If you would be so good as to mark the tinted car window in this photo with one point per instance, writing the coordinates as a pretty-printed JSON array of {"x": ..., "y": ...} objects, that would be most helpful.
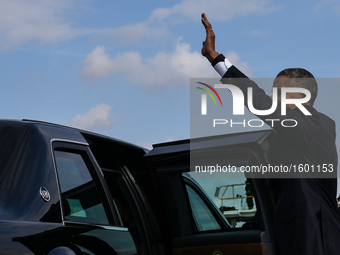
[
  {"x": 234, "y": 197},
  {"x": 203, "y": 217},
  {"x": 81, "y": 201}
]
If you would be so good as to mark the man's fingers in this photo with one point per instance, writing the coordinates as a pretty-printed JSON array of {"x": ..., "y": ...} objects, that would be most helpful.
[
  {"x": 204, "y": 20},
  {"x": 206, "y": 23}
]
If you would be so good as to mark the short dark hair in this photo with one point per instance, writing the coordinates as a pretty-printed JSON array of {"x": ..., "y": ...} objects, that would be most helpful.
[{"x": 299, "y": 75}]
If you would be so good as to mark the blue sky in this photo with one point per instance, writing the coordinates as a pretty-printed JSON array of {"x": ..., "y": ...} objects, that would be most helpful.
[{"x": 123, "y": 68}]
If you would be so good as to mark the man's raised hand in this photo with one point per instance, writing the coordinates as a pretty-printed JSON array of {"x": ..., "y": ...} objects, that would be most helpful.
[{"x": 208, "y": 49}]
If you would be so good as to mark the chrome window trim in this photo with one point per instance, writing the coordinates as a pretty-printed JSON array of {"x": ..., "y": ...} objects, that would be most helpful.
[
  {"x": 108, "y": 227},
  {"x": 67, "y": 141}
]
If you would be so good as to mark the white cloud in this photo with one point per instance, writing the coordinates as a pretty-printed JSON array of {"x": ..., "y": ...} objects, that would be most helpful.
[
  {"x": 44, "y": 21},
  {"x": 97, "y": 65},
  {"x": 215, "y": 9},
  {"x": 133, "y": 33},
  {"x": 329, "y": 4},
  {"x": 96, "y": 118},
  {"x": 243, "y": 66},
  {"x": 155, "y": 26},
  {"x": 22, "y": 21},
  {"x": 164, "y": 69}
]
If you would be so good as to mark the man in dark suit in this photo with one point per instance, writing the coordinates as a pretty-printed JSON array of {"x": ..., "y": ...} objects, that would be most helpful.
[{"x": 306, "y": 220}]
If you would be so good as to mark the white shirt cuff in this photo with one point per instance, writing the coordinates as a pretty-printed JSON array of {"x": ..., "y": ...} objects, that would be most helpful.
[
  {"x": 227, "y": 63},
  {"x": 222, "y": 66}
]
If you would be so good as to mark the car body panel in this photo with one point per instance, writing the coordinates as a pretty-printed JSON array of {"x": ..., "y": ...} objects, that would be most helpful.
[{"x": 149, "y": 183}]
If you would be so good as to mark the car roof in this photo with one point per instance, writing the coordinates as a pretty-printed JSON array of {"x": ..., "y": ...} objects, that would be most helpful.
[{"x": 257, "y": 137}]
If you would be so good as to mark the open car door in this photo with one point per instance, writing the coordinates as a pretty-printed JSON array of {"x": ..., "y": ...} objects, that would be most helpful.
[{"x": 209, "y": 212}]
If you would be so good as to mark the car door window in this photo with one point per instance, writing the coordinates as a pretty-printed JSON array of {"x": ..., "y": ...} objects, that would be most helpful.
[
  {"x": 81, "y": 200},
  {"x": 234, "y": 197},
  {"x": 203, "y": 217}
]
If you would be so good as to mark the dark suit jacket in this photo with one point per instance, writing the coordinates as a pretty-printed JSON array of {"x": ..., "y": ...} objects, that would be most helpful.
[{"x": 306, "y": 217}]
